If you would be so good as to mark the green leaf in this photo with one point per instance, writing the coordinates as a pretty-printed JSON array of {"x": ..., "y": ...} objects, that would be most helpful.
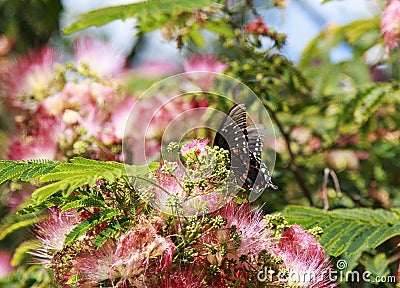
[
  {"x": 347, "y": 231},
  {"x": 74, "y": 280},
  {"x": 132, "y": 170},
  {"x": 13, "y": 222},
  {"x": 362, "y": 106},
  {"x": 81, "y": 203},
  {"x": 67, "y": 176},
  {"x": 108, "y": 233},
  {"x": 369, "y": 104},
  {"x": 195, "y": 35},
  {"x": 90, "y": 223},
  {"x": 67, "y": 184},
  {"x": 140, "y": 10},
  {"x": 21, "y": 252},
  {"x": 24, "y": 170},
  {"x": 220, "y": 28},
  {"x": 377, "y": 265}
]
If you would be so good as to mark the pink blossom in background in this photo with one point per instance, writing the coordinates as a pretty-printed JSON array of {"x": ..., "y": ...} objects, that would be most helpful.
[
  {"x": 5, "y": 263},
  {"x": 30, "y": 79},
  {"x": 52, "y": 233},
  {"x": 98, "y": 108},
  {"x": 348, "y": 140},
  {"x": 197, "y": 146},
  {"x": 145, "y": 129},
  {"x": 17, "y": 197},
  {"x": 102, "y": 59},
  {"x": 390, "y": 24},
  {"x": 36, "y": 139},
  {"x": 38, "y": 148},
  {"x": 120, "y": 115},
  {"x": 257, "y": 27},
  {"x": 204, "y": 63},
  {"x": 301, "y": 134},
  {"x": 315, "y": 143},
  {"x": 6, "y": 44},
  {"x": 304, "y": 259},
  {"x": 155, "y": 69}
]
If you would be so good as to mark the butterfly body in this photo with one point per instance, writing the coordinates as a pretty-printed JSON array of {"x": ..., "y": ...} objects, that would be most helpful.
[{"x": 244, "y": 144}]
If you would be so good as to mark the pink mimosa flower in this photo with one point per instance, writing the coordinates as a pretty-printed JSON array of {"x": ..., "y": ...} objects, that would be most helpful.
[
  {"x": 138, "y": 250},
  {"x": 52, "y": 233},
  {"x": 37, "y": 139},
  {"x": 38, "y": 148},
  {"x": 204, "y": 63},
  {"x": 155, "y": 69},
  {"x": 250, "y": 225},
  {"x": 120, "y": 115},
  {"x": 30, "y": 79},
  {"x": 197, "y": 146},
  {"x": 155, "y": 121},
  {"x": 184, "y": 278},
  {"x": 257, "y": 27},
  {"x": 390, "y": 25},
  {"x": 5, "y": 263},
  {"x": 94, "y": 266},
  {"x": 101, "y": 57},
  {"x": 304, "y": 258}
]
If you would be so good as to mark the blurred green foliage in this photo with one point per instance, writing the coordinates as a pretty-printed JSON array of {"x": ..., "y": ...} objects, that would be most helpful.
[{"x": 29, "y": 23}]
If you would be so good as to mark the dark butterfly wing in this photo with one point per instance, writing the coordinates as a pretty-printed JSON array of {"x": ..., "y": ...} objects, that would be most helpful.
[
  {"x": 233, "y": 124},
  {"x": 259, "y": 176},
  {"x": 232, "y": 136},
  {"x": 256, "y": 135},
  {"x": 244, "y": 144}
]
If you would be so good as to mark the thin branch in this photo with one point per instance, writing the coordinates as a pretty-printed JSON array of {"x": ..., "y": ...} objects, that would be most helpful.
[
  {"x": 293, "y": 166},
  {"x": 324, "y": 188},
  {"x": 336, "y": 183}
]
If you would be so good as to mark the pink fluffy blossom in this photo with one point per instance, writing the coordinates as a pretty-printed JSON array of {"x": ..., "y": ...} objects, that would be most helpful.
[
  {"x": 147, "y": 125},
  {"x": 38, "y": 148},
  {"x": 183, "y": 278},
  {"x": 30, "y": 79},
  {"x": 196, "y": 146},
  {"x": 390, "y": 25},
  {"x": 257, "y": 27},
  {"x": 5, "y": 263},
  {"x": 99, "y": 56},
  {"x": 155, "y": 69},
  {"x": 94, "y": 266},
  {"x": 250, "y": 225},
  {"x": 304, "y": 258},
  {"x": 52, "y": 233},
  {"x": 198, "y": 65},
  {"x": 98, "y": 108},
  {"x": 36, "y": 139},
  {"x": 120, "y": 115},
  {"x": 204, "y": 63},
  {"x": 140, "y": 250}
]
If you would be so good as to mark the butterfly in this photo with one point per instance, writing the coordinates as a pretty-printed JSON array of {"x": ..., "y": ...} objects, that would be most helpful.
[{"x": 244, "y": 144}]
